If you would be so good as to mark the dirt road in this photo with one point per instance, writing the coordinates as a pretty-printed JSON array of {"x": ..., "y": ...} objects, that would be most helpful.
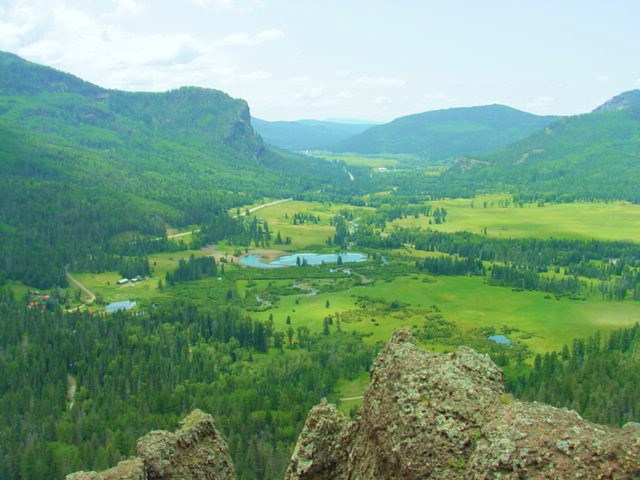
[{"x": 89, "y": 293}]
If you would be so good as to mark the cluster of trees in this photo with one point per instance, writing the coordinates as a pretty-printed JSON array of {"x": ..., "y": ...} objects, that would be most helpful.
[
  {"x": 300, "y": 218},
  {"x": 530, "y": 279},
  {"x": 551, "y": 265},
  {"x": 390, "y": 208},
  {"x": 599, "y": 378},
  {"x": 194, "y": 268},
  {"x": 280, "y": 240},
  {"x": 239, "y": 230},
  {"x": 77, "y": 390},
  {"x": 439, "y": 215},
  {"x": 449, "y": 265},
  {"x": 342, "y": 232}
]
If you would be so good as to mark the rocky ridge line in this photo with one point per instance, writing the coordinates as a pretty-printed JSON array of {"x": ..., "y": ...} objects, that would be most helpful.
[
  {"x": 447, "y": 417},
  {"x": 195, "y": 451}
]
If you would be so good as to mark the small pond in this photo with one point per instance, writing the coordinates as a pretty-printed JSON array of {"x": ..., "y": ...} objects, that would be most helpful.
[
  {"x": 299, "y": 258},
  {"x": 123, "y": 305},
  {"x": 501, "y": 339}
]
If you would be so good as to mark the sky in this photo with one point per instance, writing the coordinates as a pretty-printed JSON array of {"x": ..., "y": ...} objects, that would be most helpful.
[{"x": 371, "y": 60}]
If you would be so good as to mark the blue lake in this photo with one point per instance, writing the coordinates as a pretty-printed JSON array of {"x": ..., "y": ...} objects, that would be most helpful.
[
  {"x": 501, "y": 339},
  {"x": 311, "y": 258},
  {"x": 123, "y": 305}
]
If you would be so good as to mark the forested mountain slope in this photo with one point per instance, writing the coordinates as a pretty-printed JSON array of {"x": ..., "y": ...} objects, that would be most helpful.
[
  {"x": 306, "y": 134},
  {"x": 590, "y": 156},
  {"x": 444, "y": 135},
  {"x": 80, "y": 164},
  {"x": 598, "y": 378}
]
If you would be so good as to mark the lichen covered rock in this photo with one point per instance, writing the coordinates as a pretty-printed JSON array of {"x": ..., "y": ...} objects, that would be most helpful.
[
  {"x": 132, "y": 469},
  {"x": 195, "y": 451},
  {"x": 447, "y": 417}
]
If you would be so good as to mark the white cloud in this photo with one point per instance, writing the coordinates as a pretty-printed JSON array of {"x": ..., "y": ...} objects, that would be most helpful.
[
  {"x": 638, "y": 82},
  {"x": 300, "y": 79},
  {"x": 439, "y": 100},
  {"x": 344, "y": 94},
  {"x": 310, "y": 94},
  {"x": 259, "y": 75},
  {"x": 602, "y": 78},
  {"x": 246, "y": 39},
  {"x": 436, "y": 96},
  {"x": 379, "y": 81},
  {"x": 242, "y": 6},
  {"x": 98, "y": 50},
  {"x": 541, "y": 103},
  {"x": 128, "y": 9},
  {"x": 382, "y": 100}
]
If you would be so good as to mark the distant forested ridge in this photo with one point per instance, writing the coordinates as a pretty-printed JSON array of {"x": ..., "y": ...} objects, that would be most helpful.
[
  {"x": 444, "y": 135},
  {"x": 306, "y": 134},
  {"x": 83, "y": 168},
  {"x": 595, "y": 156}
]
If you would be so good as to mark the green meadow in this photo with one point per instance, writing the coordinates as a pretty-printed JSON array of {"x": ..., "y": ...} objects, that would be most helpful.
[
  {"x": 360, "y": 160},
  {"x": 578, "y": 220},
  {"x": 104, "y": 285},
  {"x": 542, "y": 322},
  {"x": 307, "y": 235},
  {"x": 361, "y": 304}
]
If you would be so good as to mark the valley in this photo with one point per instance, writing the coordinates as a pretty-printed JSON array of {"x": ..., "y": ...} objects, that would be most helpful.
[{"x": 469, "y": 302}]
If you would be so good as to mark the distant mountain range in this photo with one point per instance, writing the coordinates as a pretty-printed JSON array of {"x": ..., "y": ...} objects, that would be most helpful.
[
  {"x": 590, "y": 156},
  {"x": 306, "y": 134},
  {"x": 443, "y": 135}
]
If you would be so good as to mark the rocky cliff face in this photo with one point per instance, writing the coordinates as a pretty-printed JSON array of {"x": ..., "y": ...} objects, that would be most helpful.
[
  {"x": 625, "y": 101},
  {"x": 423, "y": 416},
  {"x": 447, "y": 417},
  {"x": 195, "y": 451}
]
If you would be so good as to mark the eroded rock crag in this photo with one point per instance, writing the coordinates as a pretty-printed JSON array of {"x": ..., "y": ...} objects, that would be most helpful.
[
  {"x": 447, "y": 417},
  {"x": 195, "y": 451}
]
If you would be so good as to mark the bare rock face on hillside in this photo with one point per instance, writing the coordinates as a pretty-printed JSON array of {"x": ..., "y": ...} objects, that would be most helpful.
[
  {"x": 447, "y": 417},
  {"x": 195, "y": 451},
  {"x": 625, "y": 101}
]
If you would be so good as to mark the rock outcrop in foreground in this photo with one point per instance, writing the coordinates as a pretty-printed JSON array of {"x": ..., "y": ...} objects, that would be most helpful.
[
  {"x": 424, "y": 416},
  {"x": 195, "y": 451},
  {"x": 447, "y": 417}
]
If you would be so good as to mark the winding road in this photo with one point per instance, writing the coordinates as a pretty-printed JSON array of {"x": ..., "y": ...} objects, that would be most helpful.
[
  {"x": 242, "y": 214},
  {"x": 265, "y": 205}
]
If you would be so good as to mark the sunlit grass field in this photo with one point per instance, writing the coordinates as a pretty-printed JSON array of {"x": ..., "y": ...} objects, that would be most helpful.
[
  {"x": 307, "y": 235},
  {"x": 544, "y": 324},
  {"x": 373, "y": 161},
  {"x": 104, "y": 285},
  {"x": 583, "y": 220}
]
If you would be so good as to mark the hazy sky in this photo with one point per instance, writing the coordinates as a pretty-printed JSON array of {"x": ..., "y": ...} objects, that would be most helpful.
[{"x": 355, "y": 59}]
